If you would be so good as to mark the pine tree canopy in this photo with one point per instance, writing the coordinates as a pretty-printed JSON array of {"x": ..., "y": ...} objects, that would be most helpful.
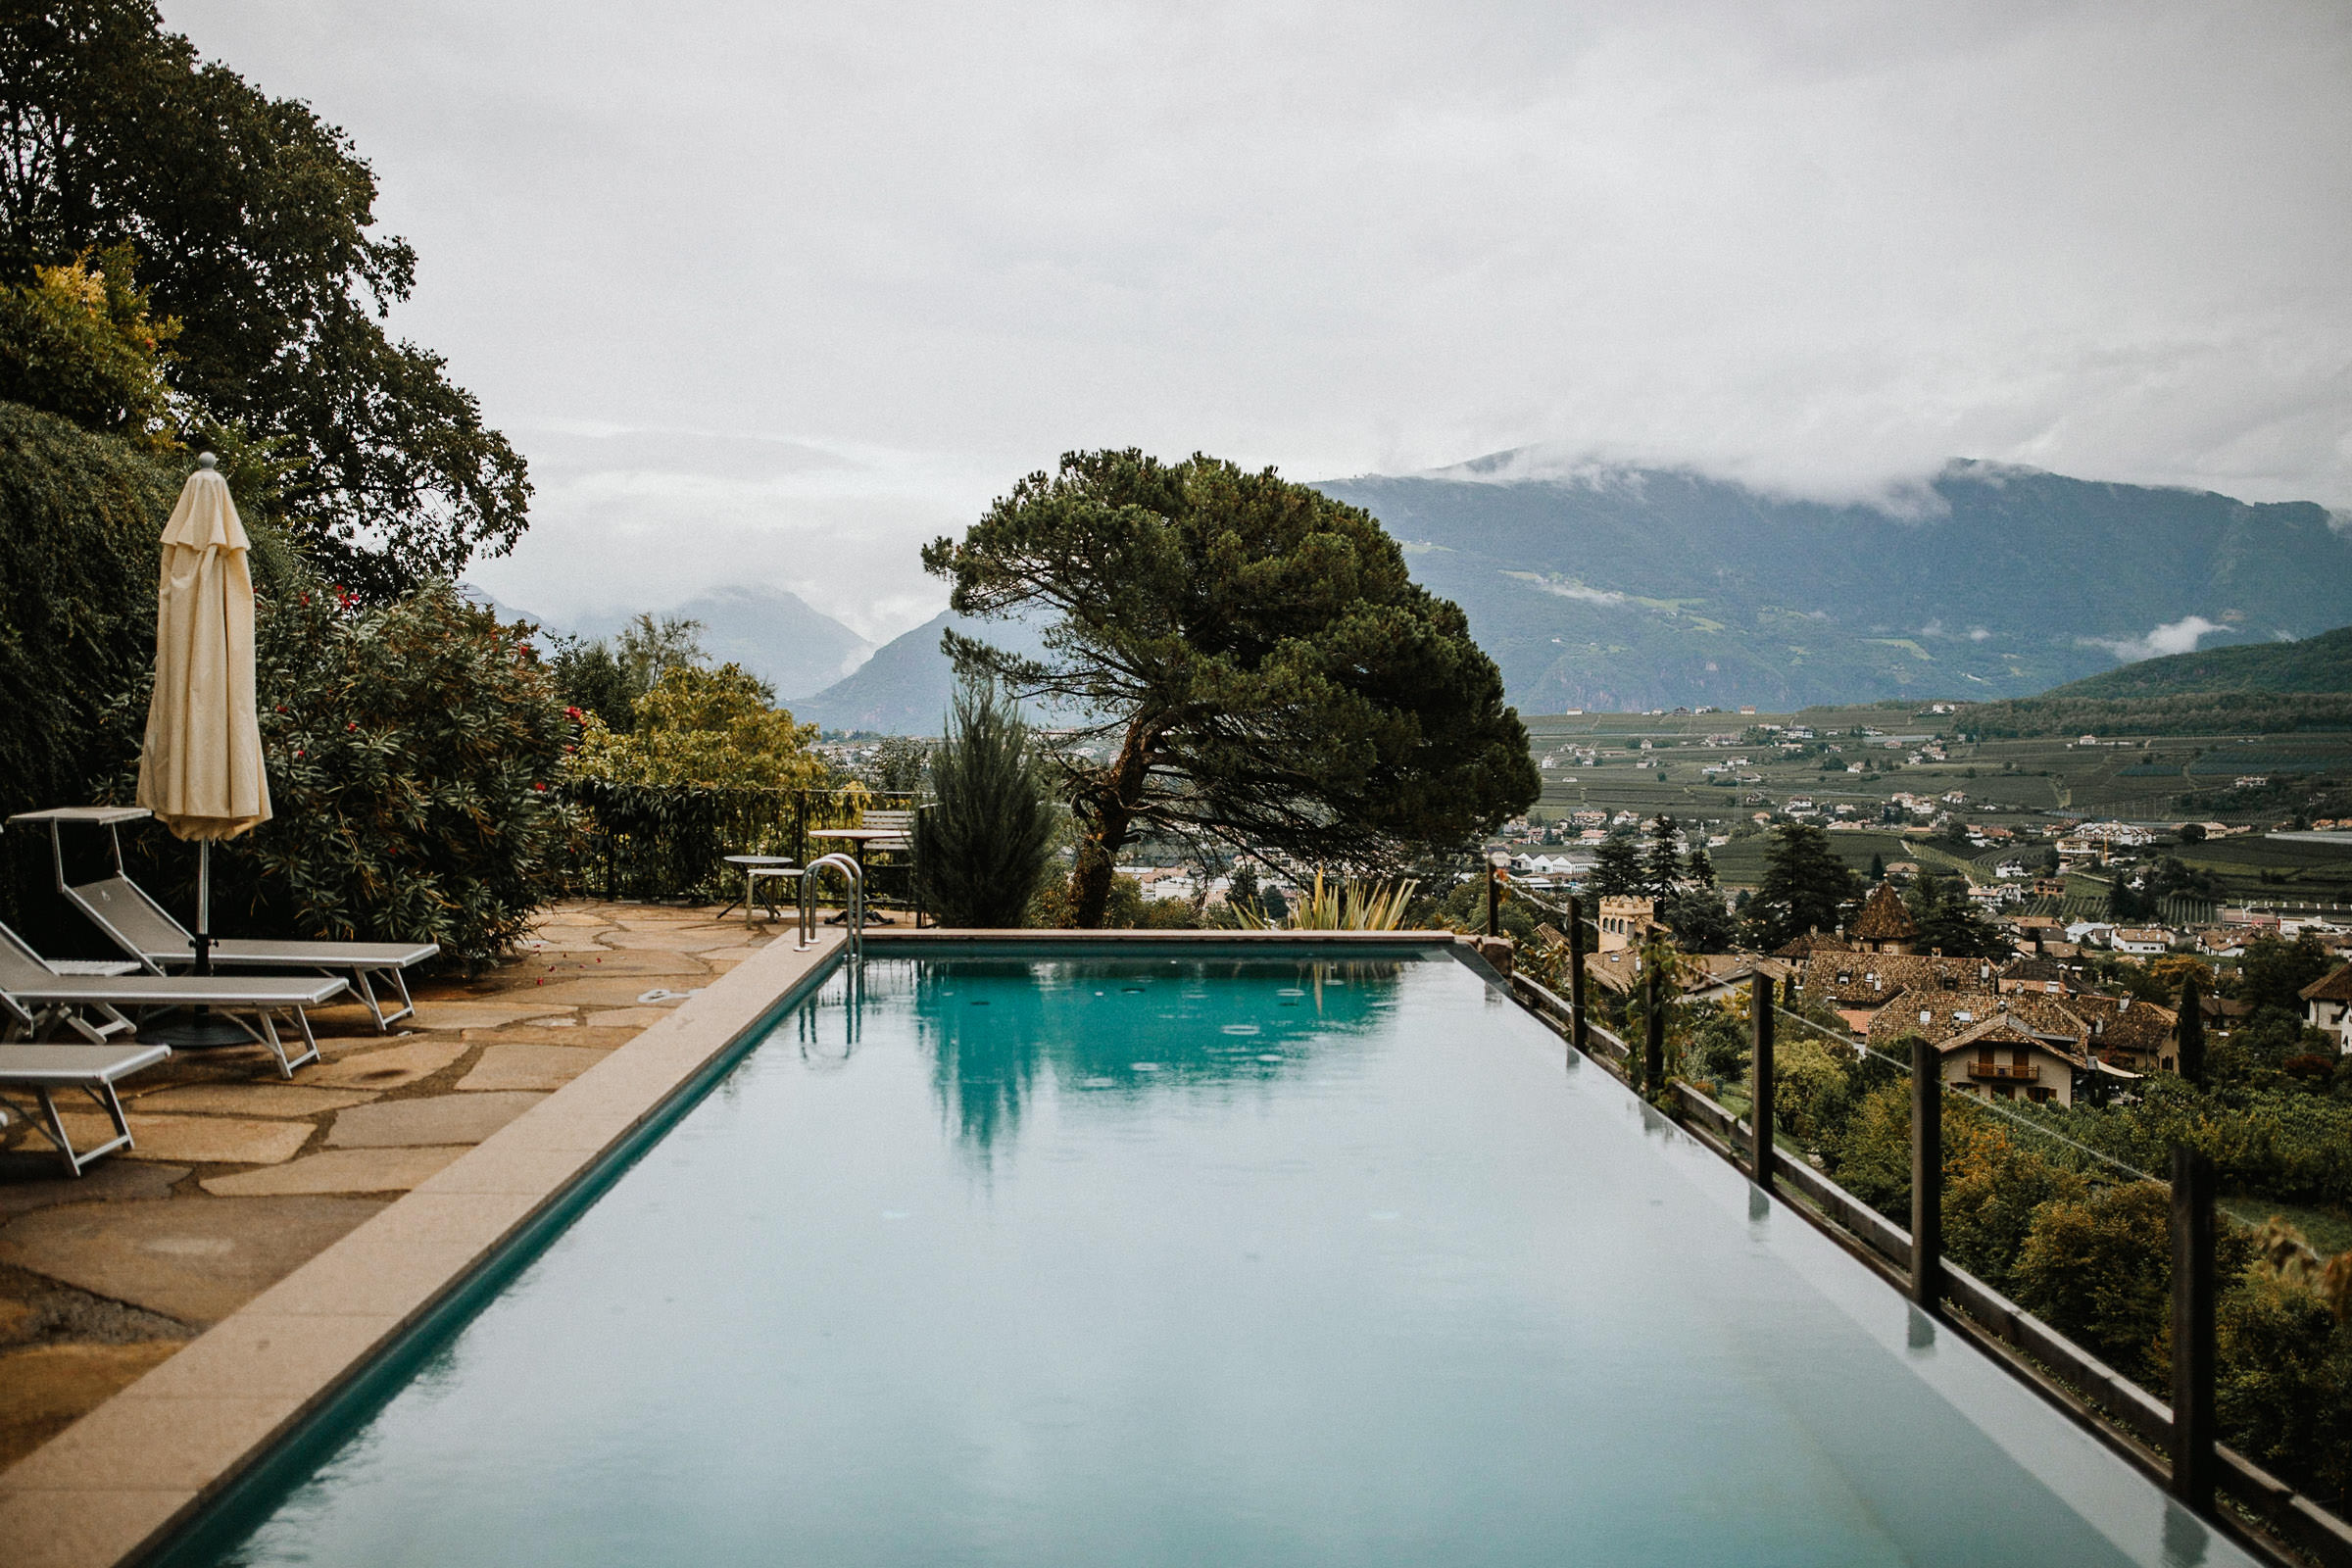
[
  {"x": 1805, "y": 886},
  {"x": 1253, "y": 656}
]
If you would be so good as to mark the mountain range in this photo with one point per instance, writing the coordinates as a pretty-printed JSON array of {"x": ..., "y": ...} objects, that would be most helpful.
[
  {"x": 1647, "y": 588},
  {"x": 776, "y": 635},
  {"x": 1639, "y": 588}
]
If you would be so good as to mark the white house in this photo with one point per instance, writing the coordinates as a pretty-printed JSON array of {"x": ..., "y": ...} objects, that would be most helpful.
[{"x": 2327, "y": 1005}]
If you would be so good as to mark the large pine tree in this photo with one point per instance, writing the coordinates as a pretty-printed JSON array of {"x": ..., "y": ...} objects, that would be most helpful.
[{"x": 1249, "y": 665}]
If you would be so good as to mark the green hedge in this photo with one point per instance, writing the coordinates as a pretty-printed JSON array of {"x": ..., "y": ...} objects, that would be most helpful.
[{"x": 80, "y": 518}]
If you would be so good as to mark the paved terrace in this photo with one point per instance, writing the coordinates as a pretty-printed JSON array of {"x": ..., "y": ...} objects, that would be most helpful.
[{"x": 240, "y": 1176}]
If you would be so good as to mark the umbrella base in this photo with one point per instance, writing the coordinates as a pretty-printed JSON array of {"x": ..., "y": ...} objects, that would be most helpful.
[{"x": 201, "y": 1030}]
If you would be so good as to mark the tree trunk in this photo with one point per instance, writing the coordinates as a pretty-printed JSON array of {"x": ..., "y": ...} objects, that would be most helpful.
[{"x": 1113, "y": 812}]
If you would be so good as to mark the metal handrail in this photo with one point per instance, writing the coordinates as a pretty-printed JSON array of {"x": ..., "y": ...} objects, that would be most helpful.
[{"x": 853, "y": 879}]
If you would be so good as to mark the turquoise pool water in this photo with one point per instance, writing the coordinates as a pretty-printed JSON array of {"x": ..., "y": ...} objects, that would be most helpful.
[{"x": 1052, "y": 1257}]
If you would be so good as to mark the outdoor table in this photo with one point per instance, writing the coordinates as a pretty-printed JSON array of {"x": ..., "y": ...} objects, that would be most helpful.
[
  {"x": 859, "y": 838},
  {"x": 754, "y": 868}
]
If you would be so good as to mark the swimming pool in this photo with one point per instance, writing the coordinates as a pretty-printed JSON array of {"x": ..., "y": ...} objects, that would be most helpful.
[{"x": 1051, "y": 1255}]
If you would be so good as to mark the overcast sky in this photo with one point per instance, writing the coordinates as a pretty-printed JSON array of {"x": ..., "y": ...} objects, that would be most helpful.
[{"x": 772, "y": 292}]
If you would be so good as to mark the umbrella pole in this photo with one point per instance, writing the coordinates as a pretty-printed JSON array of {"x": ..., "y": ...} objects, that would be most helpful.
[
  {"x": 203, "y": 907},
  {"x": 202, "y": 1030}
]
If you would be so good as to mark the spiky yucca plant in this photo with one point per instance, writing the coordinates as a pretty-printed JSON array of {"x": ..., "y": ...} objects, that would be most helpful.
[{"x": 1338, "y": 906}]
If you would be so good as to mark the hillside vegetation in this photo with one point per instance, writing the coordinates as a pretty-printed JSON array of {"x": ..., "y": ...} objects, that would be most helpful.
[
  {"x": 2243, "y": 713},
  {"x": 2313, "y": 665}
]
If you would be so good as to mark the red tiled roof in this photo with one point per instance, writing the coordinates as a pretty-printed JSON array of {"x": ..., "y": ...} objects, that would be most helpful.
[{"x": 1884, "y": 918}]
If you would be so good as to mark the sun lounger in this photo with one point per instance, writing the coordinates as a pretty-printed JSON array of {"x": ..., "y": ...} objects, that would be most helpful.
[
  {"x": 146, "y": 930},
  {"x": 45, "y": 1068},
  {"x": 36, "y": 1000}
]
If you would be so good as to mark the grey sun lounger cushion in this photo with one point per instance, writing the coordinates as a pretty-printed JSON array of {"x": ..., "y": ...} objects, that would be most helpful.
[
  {"x": 139, "y": 925},
  {"x": 35, "y": 997},
  {"x": 45, "y": 1068}
]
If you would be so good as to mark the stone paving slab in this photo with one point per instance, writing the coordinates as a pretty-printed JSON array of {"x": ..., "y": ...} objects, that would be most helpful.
[
  {"x": 441, "y": 1119},
  {"x": 631, "y": 1018},
  {"x": 467, "y": 1014},
  {"x": 248, "y": 1100},
  {"x": 49, "y": 1387},
  {"x": 197, "y": 1140},
  {"x": 519, "y": 1065},
  {"x": 340, "y": 1170},
  {"x": 659, "y": 961},
  {"x": 578, "y": 1036},
  {"x": 391, "y": 1067},
  {"x": 610, "y": 991},
  {"x": 32, "y": 1178},
  {"x": 698, "y": 939},
  {"x": 196, "y": 1261}
]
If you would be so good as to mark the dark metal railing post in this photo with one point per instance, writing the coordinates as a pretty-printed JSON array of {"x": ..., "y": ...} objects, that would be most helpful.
[
  {"x": 2192, "y": 1329},
  {"x": 1759, "y": 1000},
  {"x": 1494, "y": 897},
  {"x": 1576, "y": 974},
  {"x": 1926, "y": 1175},
  {"x": 800, "y": 829},
  {"x": 1653, "y": 1048}
]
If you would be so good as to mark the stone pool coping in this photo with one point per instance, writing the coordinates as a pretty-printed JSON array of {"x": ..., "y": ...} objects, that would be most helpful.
[{"x": 121, "y": 1480}]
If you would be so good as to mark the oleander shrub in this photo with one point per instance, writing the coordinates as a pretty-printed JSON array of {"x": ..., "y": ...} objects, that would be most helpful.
[{"x": 412, "y": 749}]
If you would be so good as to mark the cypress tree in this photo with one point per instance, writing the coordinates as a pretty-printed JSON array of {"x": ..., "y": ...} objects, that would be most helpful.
[
  {"x": 2192, "y": 1055},
  {"x": 985, "y": 842},
  {"x": 1665, "y": 860}
]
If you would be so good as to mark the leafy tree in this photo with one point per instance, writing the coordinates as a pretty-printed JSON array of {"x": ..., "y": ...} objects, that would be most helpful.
[
  {"x": 1665, "y": 860},
  {"x": 899, "y": 765},
  {"x": 1700, "y": 921},
  {"x": 79, "y": 341},
  {"x": 1264, "y": 670},
  {"x": 252, "y": 220},
  {"x": 2274, "y": 971},
  {"x": 708, "y": 727},
  {"x": 1463, "y": 908},
  {"x": 984, "y": 842},
  {"x": 2099, "y": 1270},
  {"x": 1877, "y": 867},
  {"x": 606, "y": 678},
  {"x": 1700, "y": 868},
  {"x": 2284, "y": 1393},
  {"x": 1240, "y": 888},
  {"x": 1805, "y": 886},
  {"x": 1952, "y": 925}
]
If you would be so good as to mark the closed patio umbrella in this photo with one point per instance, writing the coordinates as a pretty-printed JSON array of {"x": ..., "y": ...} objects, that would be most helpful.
[{"x": 201, "y": 769}]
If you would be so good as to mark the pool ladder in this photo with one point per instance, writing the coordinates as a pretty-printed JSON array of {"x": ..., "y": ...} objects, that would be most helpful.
[{"x": 853, "y": 879}]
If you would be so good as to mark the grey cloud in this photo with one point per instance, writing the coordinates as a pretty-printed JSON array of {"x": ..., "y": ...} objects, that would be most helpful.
[{"x": 1821, "y": 248}]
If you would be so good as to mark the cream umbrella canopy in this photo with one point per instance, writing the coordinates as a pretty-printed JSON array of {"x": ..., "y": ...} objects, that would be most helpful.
[{"x": 201, "y": 770}]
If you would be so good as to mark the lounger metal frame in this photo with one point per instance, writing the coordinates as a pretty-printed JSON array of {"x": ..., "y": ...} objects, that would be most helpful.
[
  {"x": 89, "y": 899},
  {"x": 96, "y": 1078},
  {"x": 38, "y": 1009}
]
